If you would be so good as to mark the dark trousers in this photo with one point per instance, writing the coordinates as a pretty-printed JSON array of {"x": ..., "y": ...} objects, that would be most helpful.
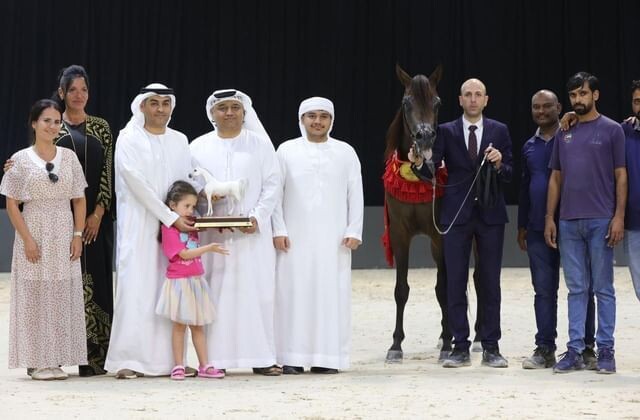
[
  {"x": 544, "y": 263},
  {"x": 457, "y": 250}
]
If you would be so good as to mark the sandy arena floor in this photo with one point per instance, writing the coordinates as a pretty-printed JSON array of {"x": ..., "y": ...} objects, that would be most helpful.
[{"x": 418, "y": 388}]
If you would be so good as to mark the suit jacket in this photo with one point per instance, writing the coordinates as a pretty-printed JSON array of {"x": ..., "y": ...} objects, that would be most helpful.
[{"x": 450, "y": 147}]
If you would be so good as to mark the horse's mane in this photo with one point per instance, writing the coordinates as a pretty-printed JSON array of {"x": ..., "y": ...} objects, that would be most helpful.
[
  {"x": 420, "y": 90},
  {"x": 394, "y": 134}
]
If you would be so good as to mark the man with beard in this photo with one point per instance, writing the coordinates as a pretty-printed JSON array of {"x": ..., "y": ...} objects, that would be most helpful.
[
  {"x": 589, "y": 180},
  {"x": 149, "y": 157},
  {"x": 631, "y": 129},
  {"x": 242, "y": 283},
  {"x": 316, "y": 226},
  {"x": 544, "y": 262},
  {"x": 464, "y": 144}
]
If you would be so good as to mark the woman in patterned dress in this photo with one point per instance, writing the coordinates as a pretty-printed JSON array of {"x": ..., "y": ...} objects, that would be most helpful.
[
  {"x": 90, "y": 138},
  {"x": 46, "y": 321}
]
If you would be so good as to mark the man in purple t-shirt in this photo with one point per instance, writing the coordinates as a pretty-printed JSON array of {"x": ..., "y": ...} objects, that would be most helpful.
[
  {"x": 589, "y": 179},
  {"x": 544, "y": 261}
]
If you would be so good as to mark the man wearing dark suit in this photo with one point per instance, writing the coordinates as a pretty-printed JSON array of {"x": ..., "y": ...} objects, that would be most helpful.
[{"x": 462, "y": 144}]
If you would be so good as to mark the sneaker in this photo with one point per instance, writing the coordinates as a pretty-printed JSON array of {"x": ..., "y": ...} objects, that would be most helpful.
[
  {"x": 493, "y": 358},
  {"x": 570, "y": 360},
  {"x": 58, "y": 373},
  {"x": 457, "y": 358},
  {"x": 606, "y": 361},
  {"x": 43, "y": 374},
  {"x": 589, "y": 358},
  {"x": 542, "y": 358}
]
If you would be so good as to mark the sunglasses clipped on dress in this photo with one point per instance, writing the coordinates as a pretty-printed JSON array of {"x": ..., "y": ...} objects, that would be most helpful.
[{"x": 52, "y": 177}]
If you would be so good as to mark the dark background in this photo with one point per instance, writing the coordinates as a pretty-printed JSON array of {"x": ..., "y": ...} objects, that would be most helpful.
[{"x": 281, "y": 51}]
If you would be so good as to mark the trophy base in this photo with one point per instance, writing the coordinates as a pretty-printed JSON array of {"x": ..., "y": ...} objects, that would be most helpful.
[{"x": 222, "y": 222}]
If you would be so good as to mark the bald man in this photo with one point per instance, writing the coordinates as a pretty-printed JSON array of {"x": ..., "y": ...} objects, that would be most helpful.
[
  {"x": 462, "y": 144},
  {"x": 544, "y": 261}
]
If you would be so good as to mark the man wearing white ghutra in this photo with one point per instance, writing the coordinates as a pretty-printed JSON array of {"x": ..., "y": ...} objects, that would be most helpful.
[
  {"x": 149, "y": 157},
  {"x": 242, "y": 283}
]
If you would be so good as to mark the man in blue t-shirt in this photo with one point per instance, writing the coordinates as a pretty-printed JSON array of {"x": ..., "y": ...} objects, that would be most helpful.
[
  {"x": 544, "y": 261},
  {"x": 589, "y": 180}
]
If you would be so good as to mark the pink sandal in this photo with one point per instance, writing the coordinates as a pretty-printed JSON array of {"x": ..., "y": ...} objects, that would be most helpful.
[
  {"x": 177, "y": 373},
  {"x": 209, "y": 371}
]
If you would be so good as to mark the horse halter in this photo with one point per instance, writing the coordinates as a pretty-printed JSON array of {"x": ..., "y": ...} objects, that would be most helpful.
[{"x": 423, "y": 128}]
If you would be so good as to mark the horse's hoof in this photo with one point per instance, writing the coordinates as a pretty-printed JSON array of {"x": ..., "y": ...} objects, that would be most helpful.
[
  {"x": 394, "y": 356},
  {"x": 443, "y": 355}
]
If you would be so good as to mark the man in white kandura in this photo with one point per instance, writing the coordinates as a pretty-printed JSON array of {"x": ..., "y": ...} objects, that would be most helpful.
[
  {"x": 243, "y": 282},
  {"x": 316, "y": 227},
  {"x": 149, "y": 157}
]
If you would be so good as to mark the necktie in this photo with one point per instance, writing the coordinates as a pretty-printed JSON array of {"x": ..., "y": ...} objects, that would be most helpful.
[{"x": 473, "y": 143}]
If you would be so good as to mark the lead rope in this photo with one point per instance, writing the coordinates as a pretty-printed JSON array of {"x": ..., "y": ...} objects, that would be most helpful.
[{"x": 433, "y": 200}]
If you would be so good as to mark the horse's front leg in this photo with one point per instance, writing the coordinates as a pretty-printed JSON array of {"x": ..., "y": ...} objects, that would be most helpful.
[
  {"x": 401, "y": 294},
  {"x": 232, "y": 205},
  {"x": 209, "y": 205},
  {"x": 441, "y": 295}
]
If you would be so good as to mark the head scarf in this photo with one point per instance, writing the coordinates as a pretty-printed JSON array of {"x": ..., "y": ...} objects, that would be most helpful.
[
  {"x": 251, "y": 121},
  {"x": 315, "y": 103},
  {"x": 137, "y": 117}
]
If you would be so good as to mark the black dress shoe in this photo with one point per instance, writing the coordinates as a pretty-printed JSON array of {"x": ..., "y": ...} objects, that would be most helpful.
[
  {"x": 292, "y": 370},
  {"x": 323, "y": 370}
]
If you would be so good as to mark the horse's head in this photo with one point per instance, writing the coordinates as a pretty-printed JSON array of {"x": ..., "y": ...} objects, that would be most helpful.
[
  {"x": 197, "y": 171},
  {"x": 420, "y": 105}
]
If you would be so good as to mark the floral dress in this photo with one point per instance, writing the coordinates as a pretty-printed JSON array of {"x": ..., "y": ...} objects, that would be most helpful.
[{"x": 46, "y": 320}]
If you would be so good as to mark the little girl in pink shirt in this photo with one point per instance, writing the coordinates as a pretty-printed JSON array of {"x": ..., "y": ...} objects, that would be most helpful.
[{"x": 185, "y": 297}]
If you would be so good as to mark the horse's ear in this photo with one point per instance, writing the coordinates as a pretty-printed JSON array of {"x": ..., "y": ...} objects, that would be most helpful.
[
  {"x": 404, "y": 78},
  {"x": 435, "y": 77}
]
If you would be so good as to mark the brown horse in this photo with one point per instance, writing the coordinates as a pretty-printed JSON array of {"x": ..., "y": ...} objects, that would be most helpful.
[{"x": 408, "y": 207}]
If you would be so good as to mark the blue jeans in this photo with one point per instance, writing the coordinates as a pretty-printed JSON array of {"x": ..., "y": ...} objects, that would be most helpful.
[
  {"x": 588, "y": 261},
  {"x": 544, "y": 263},
  {"x": 632, "y": 247}
]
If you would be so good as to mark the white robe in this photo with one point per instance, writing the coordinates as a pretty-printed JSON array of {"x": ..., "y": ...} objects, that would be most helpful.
[
  {"x": 242, "y": 283},
  {"x": 322, "y": 203},
  {"x": 145, "y": 167}
]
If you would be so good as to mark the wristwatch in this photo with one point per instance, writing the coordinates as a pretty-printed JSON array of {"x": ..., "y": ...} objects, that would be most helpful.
[{"x": 77, "y": 233}]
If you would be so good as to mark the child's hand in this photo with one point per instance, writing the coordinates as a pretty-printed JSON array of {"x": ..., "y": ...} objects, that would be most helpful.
[{"x": 217, "y": 248}]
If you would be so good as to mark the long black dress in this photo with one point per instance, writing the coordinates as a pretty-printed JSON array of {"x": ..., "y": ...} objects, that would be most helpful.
[{"x": 92, "y": 143}]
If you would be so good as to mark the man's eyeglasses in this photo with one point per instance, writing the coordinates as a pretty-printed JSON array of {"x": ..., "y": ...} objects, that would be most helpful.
[
  {"x": 51, "y": 122},
  {"x": 52, "y": 177}
]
